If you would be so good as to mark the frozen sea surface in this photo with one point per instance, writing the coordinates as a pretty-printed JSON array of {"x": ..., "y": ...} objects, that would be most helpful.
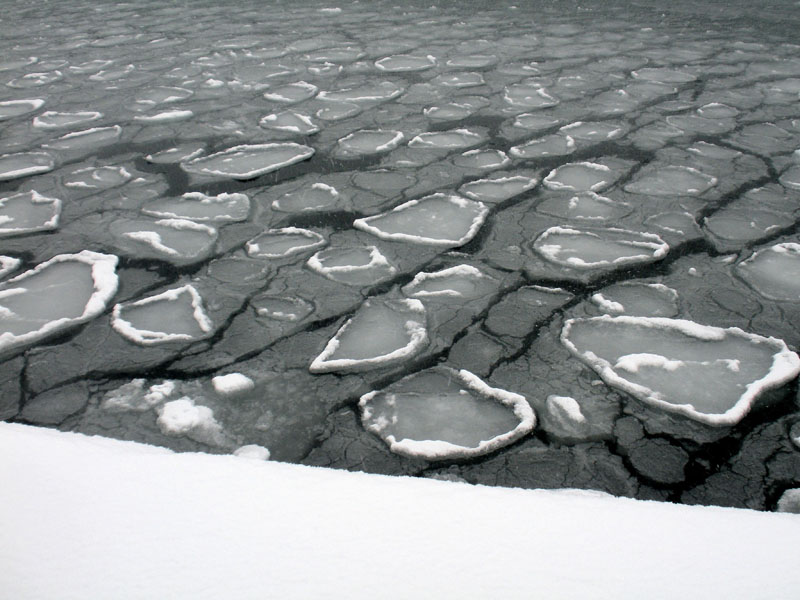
[{"x": 334, "y": 202}]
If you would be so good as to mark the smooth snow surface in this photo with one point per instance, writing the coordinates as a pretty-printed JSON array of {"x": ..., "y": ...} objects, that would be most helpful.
[{"x": 194, "y": 526}]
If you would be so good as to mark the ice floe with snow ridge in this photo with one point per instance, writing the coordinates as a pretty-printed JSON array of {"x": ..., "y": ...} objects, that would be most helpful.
[
  {"x": 498, "y": 189},
  {"x": 367, "y": 92},
  {"x": 317, "y": 196},
  {"x": 84, "y": 283},
  {"x": 284, "y": 242},
  {"x": 196, "y": 206},
  {"x": 790, "y": 178},
  {"x": 550, "y": 145},
  {"x": 528, "y": 96},
  {"x": 670, "y": 180},
  {"x": 97, "y": 178},
  {"x": 401, "y": 63},
  {"x": 10, "y": 109},
  {"x": 292, "y": 93},
  {"x": 709, "y": 374},
  {"x": 637, "y": 299},
  {"x": 58, "y": 120},
  {"x": 365, "y": 142},
  {"x": 281, "y": 308},
  {"x": 248, "y": 161},
  {"x": 581, "y": 177},
  {"x": 22, "y": 164},
  {"x": 382, "y": 332},
  {"x": 352, "y": 265},
  {"x": 290, "y": 122},
  {"x": 481, "y": 159},
  {"x": 463, "y": 79},
  {"x": 599, "y": 247},
  {"x": 179, "y": 241},
  {"x": 462, "y": 282},
  {"x": 441, "y": 414},
  {"x": 594, "y": 131},
  {"x": 87, "y": 138},
  {"x": 176, "y": 154},
  {"x": 773, "y": 272},
  {"x": 439, "y": 220},
  {"x": 28, "y": 212},
  {"x": 583, "y": 206},
  {"x": 174, "y": 315}
]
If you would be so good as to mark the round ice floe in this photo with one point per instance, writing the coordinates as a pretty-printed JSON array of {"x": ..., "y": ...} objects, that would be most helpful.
[
  {"x": 459, "y": 80},
  {"x": 454, "y": 138},
  {"x": 281, "y": 308},
  {"x": 165, "y": 116},
  {"x": 249, "y": 160},
  {"x": 599, "y": 248},
  {"x": 666, "y": 180},
  {"x": 551, "y": 145},
  {"x": 535, "y": 122},
  {"x": 83, "y": 283},
  {"x": 31, "y": 80},
  {"x": 673, "y": 222},
  {"x": 287, "y": 241},
  {"x": 196, "y": 206},
  {"x": 290, "y": 122},
  {"x": 317, "y": 196},
  {"x": 438, "y": 220},
  {"x": 731, "y": 228},
  {"x": 361, "y": 265},
  {"x": 174, "y": 315},
  {"x": 472, "y": 61},
  {"x": 336, "y": 111},
  {"x": 28, "y": 212},
  {"x": 717, "y": 110},
  {"x": 481, "y": 159},
  {"x": 463, "y": 282},
  {"x": 709, "y": 374},
  {"x": 498, "y": 189},
  {"x": 584, "y": 206},
  {"x": 232, "y": 384},
  {"x": 100, "y": 178},
  {"x": 441, "y": 414},
  {"x": 713, "y": 151},
  {"x": 22, "y": 164},
  {"x": 528, "y": 96},
  {"x": 174, "y": 240},
  {"x": 452, "y": 111},
  {"x": 134, "y": 396},
  {"x": 10, "y": 64},
  {"x": 790, "y": 178},
  {"x": 177, "y": 154},
  {"x": 368, "y": 92},
  {"x": 774, "y": 272},
  {"x": 58, "y": 120},
  {"x": 162, "y": 95},
  {"x": 663, "y": 75},
  {"x": 79, "y": 140},
  {"x": 637, "y": 299},
  {"x": 8, "y": 264},
  {"x": 405, "y": 62},
  {"x": 367, "y": 141},
  {"x": 292, "y": 93},
  {"x": 580, "y": 177},
  {"x": 16, "y": 108},
  {"x": 594, "y": 131},
  {"x": 382, "y": 332}
]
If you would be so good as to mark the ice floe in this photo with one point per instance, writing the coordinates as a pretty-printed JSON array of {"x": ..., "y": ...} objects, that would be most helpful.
[
  {"x": 367, "y": 141},
  {"x": 290, "y": 122},
  {"x": 28, "y": 212},
  {"x": 580, "y": 177},
  {"x": 774, "y": 272},
  {"x": 23, "y": 164},
  {"x": 282, "y": 308},
  {"x": 196, "y": 206},
  {"x": 284, "y": 242},
  {"x": 597, "y": 131},
  {"x": 176, "y": 240},
  {"x": 252, "y": 452},
  {"x": 174, "y": 315},
  {"x": 382, "y": 332},
  {"x": 584, "y": 206},
  {"x": 452, "y": 139},
  {"x": 367, "y": 92},
  {"x": 671, "y": 181},
  {"x": 97, "y": 178},
  {"x": 317, "y": 196},
  {"x": 8, "y": 264},
  {"x": 529, "y": 96},
  {"x": 10, "y": 109},
  {"x": 84, "y": 284},
  {"x": 405, "y": 62},
  {"x": 594, "y": 248},
  {"x": 463, "y": 282},
  {"x": 292, "y": 93},
  {"x": 706, "y": 373},
  {"x": 438, "y": 220},
  {"x": 551, "y": 145},
  {"x": 134, "y": 396},
  {"x": 184, "y": 417},
  {"x": 498, "y": 189},
  {"x": 59, "y": 120},
  {"x": 357, "y": 265},
  {"x": 481, "y": 159},
  {"x": 249, "y": 161},
  {"x": 88, "y": 138},
  {"x": 638, "y": 299},
  {"x": 441, "y": 414},
  {"x": 176, "y": 154}
]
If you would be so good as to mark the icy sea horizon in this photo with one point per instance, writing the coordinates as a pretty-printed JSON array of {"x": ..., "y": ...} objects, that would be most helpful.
[{"x": 551, "y": 245}]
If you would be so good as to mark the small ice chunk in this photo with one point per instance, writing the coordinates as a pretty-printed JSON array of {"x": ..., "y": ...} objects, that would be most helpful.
[
  {"x": 253, "y": 452},
  {"x": 565, "y": 408},
  {"x": 232, "y": 384},
  {"x": 185, "y": 417},
  {"x": 789, "y": 502}
]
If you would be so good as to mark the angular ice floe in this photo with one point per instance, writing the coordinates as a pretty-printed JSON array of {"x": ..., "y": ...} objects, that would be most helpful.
[
  {"x": 405, "y": 62},
  {"x": 638, "y": 299},
  {"x": 463, "y": 282},
  {"x": 367, "y": 141},
  {"x": 528, "y": 96},
  {"x": 232, "y": 384},
  {"x": 83, "y": 283},
  {"x": 580, "y": 177},
  {"x": 584, "y": 206},
  {"x": 28, "y": 212},
  {"x": 317, "y": 196},
  {"x": 667, "y": 180},
  {"x": 16, "y": 108},
  {"x": 441, "y": 414},
  {"x": 78, "y": 140},
  {"x": 551, "y": 145},
  {"x": 454, "y": 138},
  {"x": 176, "y": 154},
  {"x": 281, "y": 308},
  {"x": 249, "y": 160},
  {"x": 597, "y": 248},
  {"x": 481, "y": 159},
  {"x": 99, "y": 178},
  {"x": 22, "y": 164},
  {"x": 289, "y": 121},
  {"x": 292, "y": 93},
  {"x": 790, "y": 178},
  {"x": 382, "y": 332},
  {"x": 174, "y": 315},
  {"x": 287, "y": 241},
  {"x": 498, "y": 189},
  {"x": 59, "y": 120},
  {"x": 774, "y": 272},
  {"x": 196, "y": 206},
  {"x": 709, "y": 374},
  {"x": 368, "y": 92},
  {"x": 175, "y": 240},
  {"x": 360, "y": 265},
  {"x": 594, "y": 131},
  {"x": 439, "y": 220}
]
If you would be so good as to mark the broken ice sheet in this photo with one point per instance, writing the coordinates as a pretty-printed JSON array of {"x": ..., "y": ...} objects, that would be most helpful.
[{"x": 441, "y": 413}]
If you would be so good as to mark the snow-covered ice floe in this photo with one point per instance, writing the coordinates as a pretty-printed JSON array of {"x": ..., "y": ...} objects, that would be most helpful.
[
  {"x": 179, "y": 241},
  {"x": 382, "y": 332},
  {"x": 438, "y": 220},
  {"x": 709, "y": 374},
  {"x": 10, "y": 109},
  {"x": 174, "y": 315},
  {"x": 84, "y": 284},
  {"x": 463, "y": 282},
  {"x": 599, "y": 247},
  {"x": 283, "y": 242},
  {"x": 232, "y": 384},
  {"x": 441, "y": 413},
  {"x": 353, "y": 265},
  {"x": 28, "y": 212},
  {"x": 248, "y": 161}
]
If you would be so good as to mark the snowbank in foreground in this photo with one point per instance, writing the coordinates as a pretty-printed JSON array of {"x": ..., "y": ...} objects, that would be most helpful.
[{"x": 87, "y": 517}]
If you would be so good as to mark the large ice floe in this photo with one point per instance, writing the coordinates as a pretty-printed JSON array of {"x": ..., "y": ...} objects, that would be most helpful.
[
  {"x": 441, "y": 413},
  {"x": 593, "y": 248},
  {"x": 84, "y": 283},
  {"x": 710, "y": 374},
  {"x": 248, "y": 161},
  {"x": 382, "y": 332},
  {"x": 174, "y": 315},
  {"x": 28, "y": 212},
  {"x": 439, "y": 220}
]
